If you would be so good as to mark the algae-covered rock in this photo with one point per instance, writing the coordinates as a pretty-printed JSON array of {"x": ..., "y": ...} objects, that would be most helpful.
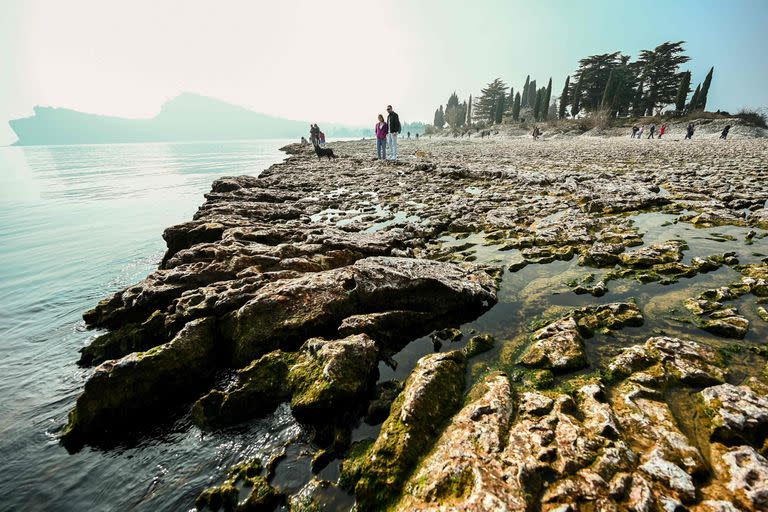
[
  {"x": 614, "y": 315},
  {"x": 737, "y": 414},
  {"x": 124, "y": 340},
  {"x": 670, "y": 251},
  {"x": 246, "y": 489},
  {"x": 379, "y": 407},
  {"x": 257, "y": 389},
  {"x": 322, "y": 379},
  {"x": 557, "y": 346},
  {"x": 329, "y": 376},
  {"x": 726, "y": 323},
  {"x": 462, "y": 469},
  {"x": 479, "y": 344},
  {"x": 431, "y": 394},
  {"x": 129, "y": 391}
]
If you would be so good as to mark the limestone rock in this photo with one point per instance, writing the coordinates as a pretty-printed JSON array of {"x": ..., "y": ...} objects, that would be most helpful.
[
  {"x": 133, "y": 390},
  {"x": 432, "y": 393},
  {"x": 737, "y": 414},
  {"x": 557, "y": 346}
]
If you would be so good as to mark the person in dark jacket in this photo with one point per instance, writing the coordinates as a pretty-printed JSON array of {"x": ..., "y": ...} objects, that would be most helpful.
[
  {"x": 724, "y": 133},
  {"x": 393, "y": 121},
  {"x": 689, "y": 131}
]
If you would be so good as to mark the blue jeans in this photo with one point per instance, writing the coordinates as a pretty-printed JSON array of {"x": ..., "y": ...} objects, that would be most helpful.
[{"x": 381, "y": 148}]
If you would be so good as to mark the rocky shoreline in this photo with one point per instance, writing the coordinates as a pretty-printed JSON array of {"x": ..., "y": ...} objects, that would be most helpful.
[{"x": 297, "y": 286}]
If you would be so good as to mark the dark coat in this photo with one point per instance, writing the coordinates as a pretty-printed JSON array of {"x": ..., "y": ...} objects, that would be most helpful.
[{"x": 393, "y": 120}]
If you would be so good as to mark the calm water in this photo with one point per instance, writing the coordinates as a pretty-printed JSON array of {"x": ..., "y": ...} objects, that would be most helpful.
[{"x": 76, "y": 223}]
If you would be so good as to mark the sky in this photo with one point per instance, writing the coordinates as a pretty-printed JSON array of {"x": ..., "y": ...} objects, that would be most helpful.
[{"x": 343, "y": 61}]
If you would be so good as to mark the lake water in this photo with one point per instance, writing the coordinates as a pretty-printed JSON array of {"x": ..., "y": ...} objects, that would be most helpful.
[{"x": 77, "y": 223}]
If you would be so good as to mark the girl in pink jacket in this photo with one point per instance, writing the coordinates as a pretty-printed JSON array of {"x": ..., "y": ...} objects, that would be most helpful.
[{"x": 381, "y": 129}]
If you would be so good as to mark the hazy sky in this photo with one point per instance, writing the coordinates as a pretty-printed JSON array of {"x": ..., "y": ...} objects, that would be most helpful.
[{"x": 343, "y": 61}]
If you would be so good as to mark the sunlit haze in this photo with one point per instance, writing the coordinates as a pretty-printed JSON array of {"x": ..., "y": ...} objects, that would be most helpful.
[{"x": 343, "y": 61}]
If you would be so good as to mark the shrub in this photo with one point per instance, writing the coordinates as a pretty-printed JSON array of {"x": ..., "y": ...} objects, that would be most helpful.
[{"x": 754, "y": 117}]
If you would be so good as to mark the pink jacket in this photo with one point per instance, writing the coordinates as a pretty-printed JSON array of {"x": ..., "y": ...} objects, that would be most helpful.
[{"x": 381, "y": 130}]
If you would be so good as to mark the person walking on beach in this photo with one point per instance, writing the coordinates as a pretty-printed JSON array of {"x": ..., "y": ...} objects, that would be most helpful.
[
  {"x": 662, "y": 130},
  {"x": 724, "y": 133},
  {"x": 321, "y": 136},
  {"x": 536, "y": 132},
  {"x": 640, "y": 133},
  {"x": 382, "y": 130},
  {"x": 635, "y": 129},
  {"x": 409, "y": 135},
  {"x": 393, "y": 122},
  {"x": 689, "y": 131},
  {"x": 652, "y": 132}
]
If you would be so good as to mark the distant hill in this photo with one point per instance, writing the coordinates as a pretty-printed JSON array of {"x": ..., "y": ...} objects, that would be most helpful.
[{"x": 188, "y": 117}]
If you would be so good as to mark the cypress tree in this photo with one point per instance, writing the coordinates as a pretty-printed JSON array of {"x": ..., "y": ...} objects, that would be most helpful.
[
  {"x": 564, "y": 97},
  {"x": 694, "y": 99},
  {"x": 469, "y": 111},
  {"x": 439, "y": 117},
  {"x": 532, "y": 93},
  {"x": 537, "y": 103},
  {"x": 525, "y": 91},
  {"x": 516, "y": 107},
  {"x": 544, "y": 108},
  {"x": 576, "y": 100},
  {"x": 682, "y": 91},
  {"x": 702, "y": 105},
  {"x": 499, "y": 109}
]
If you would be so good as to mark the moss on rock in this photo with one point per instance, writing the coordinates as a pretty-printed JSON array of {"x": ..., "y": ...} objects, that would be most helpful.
[
  {"x": 131, "y": 390},
  {"x": 432, "y": 393}
]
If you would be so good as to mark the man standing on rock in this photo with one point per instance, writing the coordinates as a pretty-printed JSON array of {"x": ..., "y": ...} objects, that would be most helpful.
[{"x": 393, "y": 121}]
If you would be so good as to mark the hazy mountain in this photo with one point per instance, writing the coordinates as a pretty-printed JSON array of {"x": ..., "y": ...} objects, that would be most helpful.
[{"x": 187, "y": 117}]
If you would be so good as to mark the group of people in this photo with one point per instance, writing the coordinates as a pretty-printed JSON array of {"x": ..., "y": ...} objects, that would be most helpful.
[
  {"x": 637, "y": 131},
  {"x": 386, "y": 135},
  {"x": 316, "y": 137}
]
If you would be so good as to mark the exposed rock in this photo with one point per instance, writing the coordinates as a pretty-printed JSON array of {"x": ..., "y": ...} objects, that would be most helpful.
[
  {"x": 247, "y": 478},
  {"x": 468, "y": 479},
  {"x": 323, "y": 378},
  {"x": 133, "y": 390},
  {"x": 312, "y": 250},
  {"x": 431, "y": 394},
  {"x": 557, "y": 346},
  {"x": 290, "y": 310},
  {"x": 737, "y": 414},
  {"x": 479, "y": 344},
  {"x": 664, "y": 360},
  {"x": 744, "y": 473},
  {"x": 644, "y": 257}
]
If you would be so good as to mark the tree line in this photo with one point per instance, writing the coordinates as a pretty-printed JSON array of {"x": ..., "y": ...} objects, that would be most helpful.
[{"x": 608, "y": 82}]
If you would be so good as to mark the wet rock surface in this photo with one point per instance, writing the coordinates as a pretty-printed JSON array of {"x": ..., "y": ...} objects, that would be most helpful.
[{"x": 310, "y": 283}]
